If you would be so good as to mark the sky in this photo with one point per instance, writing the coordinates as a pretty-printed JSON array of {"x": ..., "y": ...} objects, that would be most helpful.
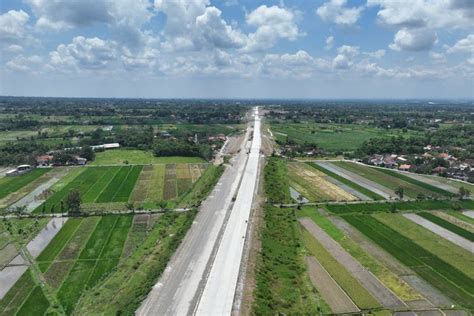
[{"x": 237, "y": 48}]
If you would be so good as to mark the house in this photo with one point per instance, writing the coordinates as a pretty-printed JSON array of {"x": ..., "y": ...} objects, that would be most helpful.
[
  {"x": 444, "y": 156},
  {"x": 44, "y": 160},
  {"x": 389, "y": 162},
  {"x": 376, "y": 160},
  {"x": 80, "y": 161},
  {"x": 404, "y": 167}
]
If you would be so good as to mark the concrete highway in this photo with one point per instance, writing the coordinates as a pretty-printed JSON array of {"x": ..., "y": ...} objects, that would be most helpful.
[
  {"x": 217, "y": 299},
  {"x": 180, "y": 288}
]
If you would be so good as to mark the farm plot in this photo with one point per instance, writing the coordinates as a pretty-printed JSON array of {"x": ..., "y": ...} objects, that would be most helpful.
[
  {"x": 165, "y": 182},
  {"x": 411, "y": 190},
  {"x": 440, "y": 231},
  {"x": 365, "y": 278},
  {"x": 353, "y": 185},
  {"x": 82, "y": 254},
  {"x": 97, "y": 185},
  {"x": 312, "y": 184},
  {"x": 10, "y": 185},
  {"x": 448, "y": 279},
  {"x": 448, "y": 225},
  {"x": 139, "y": 157}
]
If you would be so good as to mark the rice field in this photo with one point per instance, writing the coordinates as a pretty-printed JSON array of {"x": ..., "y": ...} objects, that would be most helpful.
[
  {"x": 84, "y": 252},
  {"x": 420, "y": 251},
  {"x": 165, "y": 182},
  {"x": 412, "y": 188},
  {"x": 10, "y": 185},
  {"x": 312, "y": 184},
  {"x": 97, "y": 185}
]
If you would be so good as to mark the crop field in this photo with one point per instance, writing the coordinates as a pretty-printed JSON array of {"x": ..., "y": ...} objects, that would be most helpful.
[
  {"x": 424, "y": 185},
  {"x": 387, "y": 277},
  {"x": 97, "y": 184},
  {"x": 312, "y": 184},
  {"x": 450, "y": 280},
  {"x": 9, "y": 185},
  {"x": 392, "y": 182},
  {"x": 165, "y": 182},
  {"x": 447, "y": 225},
  {"x": 331, "y": 137},
  {"x": 137, "y": 157},
  {"x": 401, "y": 206},
  {"x": 347, "y": 182},
  {"x": 79, "y": 256}
]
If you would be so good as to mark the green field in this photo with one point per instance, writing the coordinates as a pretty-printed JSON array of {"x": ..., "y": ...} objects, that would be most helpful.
[
  {"x": 138, "y": 157},
  {"x": 97, "y": 184},
  {"x": 399, "y": 206},
  {"x": 12, "y": 184},
  {"x": 331, "y": 137},
  {"x": 385, "y": 178},
  {"x": 449, "y": 280},
  {"x": 424, "y": 185},
  {"x": 449, "y": 226},
  {"x": 347, "y": 182}
]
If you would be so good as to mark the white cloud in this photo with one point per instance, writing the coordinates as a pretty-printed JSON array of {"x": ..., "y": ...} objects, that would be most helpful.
[
  {"x": 13, "y": 26},
  {"x": 125, "y": 17},
  {"x": 341, "y": 62},
  {"x": 424, "y": 13},
  {"x": 438, "y": 57},
  {"x": 377, "y": 54},
  {"x": 413, "y": 39},
  {"x": 272, "y": 23},
  {"x": 194, "y": 25},
  {"x": 348, "y": 50},
  {"x": 336, "y": 11},
  {"x": 329, "y": 42},
  {"x": 84, "y": 53},
  {"x": 465, "y": 45},
  {"x": 25, "y": 64}
]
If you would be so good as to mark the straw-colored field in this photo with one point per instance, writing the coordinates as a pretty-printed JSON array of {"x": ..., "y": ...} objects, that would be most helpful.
[{"x": 313, "y": 185}]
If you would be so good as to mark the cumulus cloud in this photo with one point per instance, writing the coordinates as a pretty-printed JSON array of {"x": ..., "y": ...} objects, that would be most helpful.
[
  {"x": 25, "y": 63},
  {"x": 194, "y": 24},
  {"x": 377, "y": 54},
  {"x": 329, "y": 42},
  {"x": 341, "y": 62},
  {"x": 125, "y": 17},
  {"x": 465, "y": 45},
  {"x": 417, "y": 22},
  {"x": 337, "y": 12},
  {"x": 84, "y": 53},
  {"x": 413, "y": 39},
  {"x": 13, "y": 26},
  {"x": 272, "y": 23}
]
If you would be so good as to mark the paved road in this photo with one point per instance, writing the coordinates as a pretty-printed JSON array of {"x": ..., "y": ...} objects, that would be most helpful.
[
  {"x": 178, "y": 290},
  {"x": 217, "y": 299}
]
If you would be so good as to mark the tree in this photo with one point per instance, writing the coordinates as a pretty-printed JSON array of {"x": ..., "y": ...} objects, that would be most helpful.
[
  {"x": 463, "y": 193},
  {"x": 87, "y": 152},
  {"x": 400, "y": 192},
  {"x": 73, "y": 201}
]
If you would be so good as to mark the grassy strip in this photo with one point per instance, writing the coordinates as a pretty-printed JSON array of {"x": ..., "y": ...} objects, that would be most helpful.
[
  {"x": 276, "y": 181},
  {"x": 202, "y": 187},
  {"x": 388, "y": 278},
  {"x": 282, "y": 285},
  {"x": 424, "y": 185},
  {"x": 449, "y": 280},
  {"x": 359, "y": 295},
  {"x": 462, "y": 217},
  {"x": 123, "y": 290},
  {"x": 449, "y": 226},
  {"x": 430, "y": 205},
  {"x": 347, "y": 182},
  {"x": 12, "y": 184}
]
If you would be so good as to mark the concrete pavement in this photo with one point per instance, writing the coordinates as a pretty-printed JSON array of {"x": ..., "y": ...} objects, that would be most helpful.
[{"x": 180, "y": 287}]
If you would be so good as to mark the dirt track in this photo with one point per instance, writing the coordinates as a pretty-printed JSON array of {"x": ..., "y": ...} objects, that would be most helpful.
[
  {"x": 383, "y": 295},
  {"x": 332, "y": 293}
]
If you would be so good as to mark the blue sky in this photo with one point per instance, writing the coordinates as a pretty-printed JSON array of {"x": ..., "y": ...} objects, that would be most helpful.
[{"x": 238, "y": 48}]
